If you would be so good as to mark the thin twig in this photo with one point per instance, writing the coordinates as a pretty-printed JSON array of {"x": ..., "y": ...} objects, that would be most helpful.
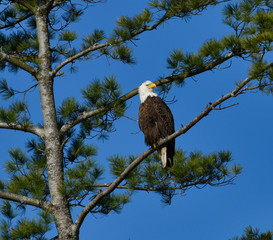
[
  {"x": 222, "y": 108},
  {"x": 130, "y": 118}
]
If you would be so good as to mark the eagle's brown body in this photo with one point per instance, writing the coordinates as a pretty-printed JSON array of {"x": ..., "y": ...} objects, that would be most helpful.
[{"x": 156, "y": 122}]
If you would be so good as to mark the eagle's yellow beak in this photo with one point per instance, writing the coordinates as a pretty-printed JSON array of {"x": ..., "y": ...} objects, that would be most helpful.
[{"x": 152, "y": 85}]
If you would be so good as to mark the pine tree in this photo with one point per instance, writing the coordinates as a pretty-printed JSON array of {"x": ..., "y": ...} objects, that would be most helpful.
[{"x": 58, "y": 170}]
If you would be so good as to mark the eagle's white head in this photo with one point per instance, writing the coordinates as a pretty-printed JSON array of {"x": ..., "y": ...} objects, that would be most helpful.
[{"x": 145, "y": 90}]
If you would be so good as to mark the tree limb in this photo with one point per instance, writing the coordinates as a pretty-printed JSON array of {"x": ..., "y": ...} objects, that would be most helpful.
[
  {"x": 17, "y": 126},
  {"x": 25, "y": 200},
  {"x": 238, "y": 90},
  {"x": 17, "y": 62},
  {"x": 155, "y": 189},
  {"x": 106, "y": 44},
  {"x": 14, "y": 23},
  {"x": 78, "y": 55}
]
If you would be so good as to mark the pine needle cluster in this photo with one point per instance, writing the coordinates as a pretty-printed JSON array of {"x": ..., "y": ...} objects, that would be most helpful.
[
  {"x": 251, "y": 233},
  {"x": 251, "y": 22},
  {"x": 25, "y": 228},
  {"x": 194, "y": 169}
]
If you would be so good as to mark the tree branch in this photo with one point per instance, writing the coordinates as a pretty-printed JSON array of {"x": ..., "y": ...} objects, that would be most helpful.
[
  {"x": 106, "y": 44},
  {"x": 17, "y": 62},
  {"x": 25, "y": 200},
  {"x": 17, "y": 126},
  {"x": 85, "y": 115},
  {"x": 78, "y": 55},
  {"x": 14, "y": 23},
  {"x": 25, "y": 4},
  {"x": 238, "y": 90},
  {"x": 154, "y": 189}
]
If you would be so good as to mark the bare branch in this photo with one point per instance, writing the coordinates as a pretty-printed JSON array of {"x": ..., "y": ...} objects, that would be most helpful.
[
  {"x": 18, "y": 126},
  {"x": 17, "y": 62},
  {"x": 132, "y": 119},
  {"x": 25, "y": 200},
  {"x": 257, "y": 87},
  {"x": 145, "y": 154},
  {"x": 229, "y": 106},
  {"x": 154, "y": 189},
  {"x": 79, "y": 55}
]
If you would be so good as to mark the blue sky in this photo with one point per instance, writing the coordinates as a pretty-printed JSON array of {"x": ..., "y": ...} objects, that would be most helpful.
[{"x": 246, "y": 130}]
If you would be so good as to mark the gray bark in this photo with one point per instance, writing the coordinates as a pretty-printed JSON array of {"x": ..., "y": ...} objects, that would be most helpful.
[{"x": 59, "y": 204}]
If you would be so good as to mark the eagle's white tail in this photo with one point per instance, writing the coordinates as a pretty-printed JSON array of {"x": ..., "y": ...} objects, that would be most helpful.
[{"x": 163, "y": 154}]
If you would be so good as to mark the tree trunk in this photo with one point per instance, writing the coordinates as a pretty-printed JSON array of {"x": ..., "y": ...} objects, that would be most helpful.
[{"x": 59, "y": 204}]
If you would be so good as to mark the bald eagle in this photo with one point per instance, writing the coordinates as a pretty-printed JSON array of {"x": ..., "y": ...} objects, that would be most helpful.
[{"x": 156, "y": 121}]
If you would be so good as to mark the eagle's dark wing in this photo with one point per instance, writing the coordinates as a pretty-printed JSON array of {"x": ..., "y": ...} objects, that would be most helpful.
[
  {"x": 165, "y": 125},
  {"x": 165, "y": 121},
  {"x": 147, "y": 118},
  {"x": 155, "y": 120}
]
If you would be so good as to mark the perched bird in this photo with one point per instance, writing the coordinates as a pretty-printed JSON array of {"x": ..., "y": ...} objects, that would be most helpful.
[{"x": 155, "y": 120}]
